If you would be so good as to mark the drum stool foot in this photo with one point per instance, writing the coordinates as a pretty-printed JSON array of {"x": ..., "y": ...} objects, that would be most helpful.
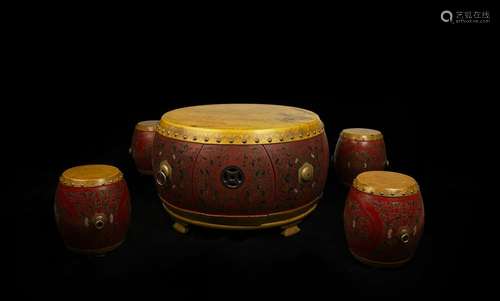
[
  {"x": 181, "y": 227},
  {"x": 290, "y": 230}
]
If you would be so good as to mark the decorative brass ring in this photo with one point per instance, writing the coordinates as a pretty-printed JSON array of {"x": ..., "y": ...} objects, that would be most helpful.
[
  {"x": 99, "y": 222},
  {"x": 161, "y": 178},
  {"x": 164, "y": 174},
  {"x": 405, "y": 237}
]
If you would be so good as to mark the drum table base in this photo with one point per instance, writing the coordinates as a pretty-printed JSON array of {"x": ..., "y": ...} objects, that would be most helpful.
[{"x": 287, "y": 220}]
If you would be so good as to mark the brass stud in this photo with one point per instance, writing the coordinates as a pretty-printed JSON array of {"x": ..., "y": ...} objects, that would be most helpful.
[
  {"x": 269, "y": 139},
  {"x": 218, "y": 140},
  {"x": 206, "y": 139},
  {"x": 306, "y": 172},
  {"x": 257, "y": 140},
  {"x": 185, "y": 137},
  {"x": 231, "y": 140},
  {"x": 281, "y": 139},
  {"x": 194, "y": 138},
  {"x": 243, "y": 140}
]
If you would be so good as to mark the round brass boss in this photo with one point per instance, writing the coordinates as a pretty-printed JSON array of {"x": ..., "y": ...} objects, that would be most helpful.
[
  {"x": 90, "y": 175},
  {"x": 240, "y": 124},
  {"x": 361, "y": 134},
  {"x": 386, "y": 183}
]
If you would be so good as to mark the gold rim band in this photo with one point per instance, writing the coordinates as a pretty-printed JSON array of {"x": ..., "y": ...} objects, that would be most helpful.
[
  {"x": 91, "y": 175},
  {"x": 361, "y": 134},
  {"x": 240, "y": 222},
  {"x": 386, "y": 183},
  {"x": 240, "y": 124},
  {"x": 147, "y": 125},
  {"x": 380, "y": 264}
]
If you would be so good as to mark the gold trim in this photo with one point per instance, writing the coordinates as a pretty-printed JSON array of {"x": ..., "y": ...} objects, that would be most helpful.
[
  {"x": 91, "y": 175},
  {"x": 95, "y": 251},
  {"x": 147, "y": 125},
  {"x": 380, "y": 264},
  {"x": 240, "y": 124},
  {"x": 361, "y": 134},
  {"x": 386, "y": 183},
  {"x": 240, "y": 222},
  {"x": 234, "y": 227}
]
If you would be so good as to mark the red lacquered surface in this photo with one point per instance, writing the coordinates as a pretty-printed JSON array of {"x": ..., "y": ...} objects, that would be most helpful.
[
  {"x": 271, "y": 182},
  {"x": 354, "y": 156},
  {"x": 382, "y": 229},
  {"x": 93, "y": 219},
  {"x": 142, "y": 146}
]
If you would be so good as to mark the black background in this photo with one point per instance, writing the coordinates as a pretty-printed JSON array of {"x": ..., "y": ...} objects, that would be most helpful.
[{"x": 92, "y": 77}]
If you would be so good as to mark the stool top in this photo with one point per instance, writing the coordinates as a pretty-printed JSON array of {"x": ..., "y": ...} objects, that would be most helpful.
[
  {"x": 386, "y": 183},
  {"x": 147, "y": 125},
  {"x": 240, "y": 124},
  {"x": 90, "y": 175},
  {"x": 361, "y": 134}
]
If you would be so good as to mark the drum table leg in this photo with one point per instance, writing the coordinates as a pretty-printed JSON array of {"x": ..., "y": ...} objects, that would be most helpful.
[
  {"x": 181, "y": 227},
  {"x": 290, "y": 229}
]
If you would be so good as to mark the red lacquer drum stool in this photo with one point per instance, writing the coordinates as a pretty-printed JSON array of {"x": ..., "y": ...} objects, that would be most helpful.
[
  {"x": 142, "y": 145},
  {"x": 92, "y": 208},
  {"x": 383, "y": 218},
  {"x": 240, "y": 166},
  {"x": 358, "y": 150}
]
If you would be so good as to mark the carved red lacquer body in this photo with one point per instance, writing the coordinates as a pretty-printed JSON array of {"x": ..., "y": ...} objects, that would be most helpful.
[
  {"x": 270, "y": 175},
  {"x": 357, "y": 152},
  {"x": 142, "y": 146},
  {"x": 92, "y": 219},
  {"x": 240, "y": 166},
  {"x": 383, "y": 229}
]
